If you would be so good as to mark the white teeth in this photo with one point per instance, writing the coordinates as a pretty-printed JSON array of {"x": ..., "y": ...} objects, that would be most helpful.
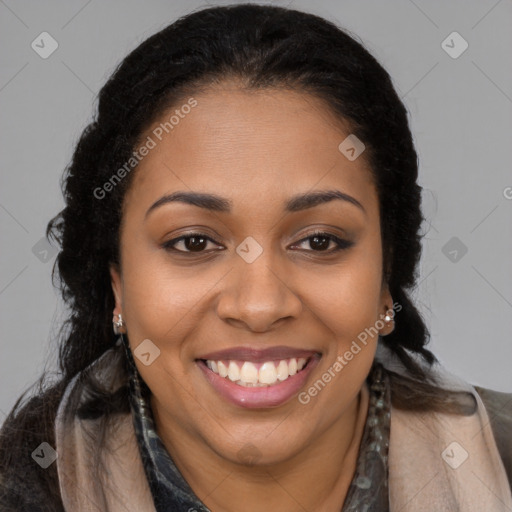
[
  {"x": 233, "y": 371},
  {"x": 248, "y": 374},
  {"x": 223, "y": 369},
  {"x": 268, "y": 373},
  {"x": 282, "y": 370}
]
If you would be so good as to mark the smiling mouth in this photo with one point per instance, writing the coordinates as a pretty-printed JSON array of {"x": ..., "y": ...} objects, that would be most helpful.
[
  {"x": 258, "y": 380},
  {"x": 250, "y": 374}
]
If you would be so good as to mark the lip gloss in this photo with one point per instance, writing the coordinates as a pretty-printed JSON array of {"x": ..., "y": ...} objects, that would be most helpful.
[{"x": 258, "y": 397}]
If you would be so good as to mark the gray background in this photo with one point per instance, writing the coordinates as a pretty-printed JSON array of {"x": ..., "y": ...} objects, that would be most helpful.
[{"x": 460, "y": 115}]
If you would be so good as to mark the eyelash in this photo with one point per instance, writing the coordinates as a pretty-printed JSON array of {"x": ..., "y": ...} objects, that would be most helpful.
[{"x": 342, "y": 244}]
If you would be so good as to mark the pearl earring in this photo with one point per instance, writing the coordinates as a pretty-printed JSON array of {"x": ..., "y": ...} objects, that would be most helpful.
[
  {"x": 118, "y": 324},
  {"x": 389, "y": 317}
]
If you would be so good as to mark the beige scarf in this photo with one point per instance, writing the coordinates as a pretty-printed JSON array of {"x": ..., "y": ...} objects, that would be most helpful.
[{"x": 437, "y": 462}]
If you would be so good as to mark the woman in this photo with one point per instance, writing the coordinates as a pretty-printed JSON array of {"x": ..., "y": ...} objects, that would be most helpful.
[{"x": 240, "y": 237}]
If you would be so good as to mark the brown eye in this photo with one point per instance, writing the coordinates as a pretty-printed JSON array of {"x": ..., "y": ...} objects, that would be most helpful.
[
  {"x": 320, "y": 241},
  {"x": 193, "y": 243},
  {"x": 197, "y": 243}
]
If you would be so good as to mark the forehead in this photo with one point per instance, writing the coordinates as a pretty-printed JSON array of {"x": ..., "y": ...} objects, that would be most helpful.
[{"x": 252, "y": 146}]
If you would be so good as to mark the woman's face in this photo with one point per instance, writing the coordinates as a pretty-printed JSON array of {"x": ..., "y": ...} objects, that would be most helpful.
[{"x": 252, "y": 276}]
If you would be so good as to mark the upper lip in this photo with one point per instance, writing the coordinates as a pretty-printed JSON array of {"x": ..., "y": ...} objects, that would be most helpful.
[{"x": 258, "y": 355}]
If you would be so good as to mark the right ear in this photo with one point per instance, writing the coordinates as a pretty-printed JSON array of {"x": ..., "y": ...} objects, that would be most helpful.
[{"x": 117, "y": 287}]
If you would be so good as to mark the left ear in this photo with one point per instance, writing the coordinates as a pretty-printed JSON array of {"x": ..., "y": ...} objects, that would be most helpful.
[{"x": 386, "y": 308}]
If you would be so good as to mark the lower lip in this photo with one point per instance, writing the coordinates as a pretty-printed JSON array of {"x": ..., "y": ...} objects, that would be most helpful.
[{"x": 259, "y": 397}]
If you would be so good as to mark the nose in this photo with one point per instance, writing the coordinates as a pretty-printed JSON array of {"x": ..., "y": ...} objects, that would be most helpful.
[{"x": 258, "y": 295}]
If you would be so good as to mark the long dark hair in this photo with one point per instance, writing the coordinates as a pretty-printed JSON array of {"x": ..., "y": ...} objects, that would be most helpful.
[{"x": 262, "y": 46}]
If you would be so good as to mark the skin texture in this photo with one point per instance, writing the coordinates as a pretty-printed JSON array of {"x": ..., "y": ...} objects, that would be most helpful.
[{"x": 256, "y": 149}]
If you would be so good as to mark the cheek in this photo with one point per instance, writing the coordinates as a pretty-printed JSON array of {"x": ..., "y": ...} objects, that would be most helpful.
[
  {"x": 155, "y": 297},
  {"x": 349, "y": 298},
  {"x": 165, "y": 304}
]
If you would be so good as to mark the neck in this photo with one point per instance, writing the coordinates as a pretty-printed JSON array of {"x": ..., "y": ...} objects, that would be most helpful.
[{"x": 316, "y": 479}]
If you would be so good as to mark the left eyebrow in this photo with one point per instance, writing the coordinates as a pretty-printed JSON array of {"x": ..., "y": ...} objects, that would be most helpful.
[{"x": 216, "y": 203}]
